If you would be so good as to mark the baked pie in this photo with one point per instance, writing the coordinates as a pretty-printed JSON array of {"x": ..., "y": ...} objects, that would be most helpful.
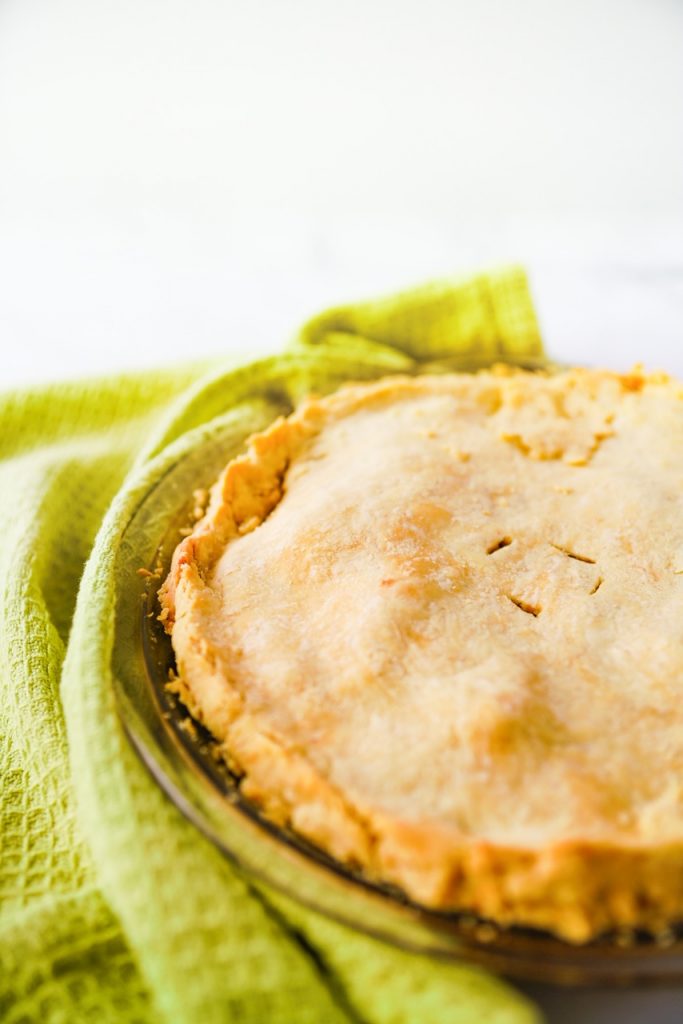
[{"x": 436, "y": 626}]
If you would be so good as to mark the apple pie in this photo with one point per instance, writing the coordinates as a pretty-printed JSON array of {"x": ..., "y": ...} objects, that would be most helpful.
[{"x": 435, "y": 625}]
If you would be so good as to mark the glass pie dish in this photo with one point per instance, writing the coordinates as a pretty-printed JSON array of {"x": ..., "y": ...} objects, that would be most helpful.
[{"x": 182, "y": 758}]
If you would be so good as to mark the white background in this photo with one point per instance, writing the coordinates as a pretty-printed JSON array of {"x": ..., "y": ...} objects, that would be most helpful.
[
  {"x": 178, "y": 179},
  {"x": 189, "y": 177}
]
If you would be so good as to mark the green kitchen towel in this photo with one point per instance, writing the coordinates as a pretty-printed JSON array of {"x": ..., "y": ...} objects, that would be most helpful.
[{"x": 113, "y": 908}]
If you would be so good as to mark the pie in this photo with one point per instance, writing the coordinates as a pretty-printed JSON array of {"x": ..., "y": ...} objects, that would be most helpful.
[{"x": 435, "y": 625}]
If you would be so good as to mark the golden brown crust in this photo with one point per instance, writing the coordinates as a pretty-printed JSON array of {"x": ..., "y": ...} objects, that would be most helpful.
[{"x": 434, "y": 624}]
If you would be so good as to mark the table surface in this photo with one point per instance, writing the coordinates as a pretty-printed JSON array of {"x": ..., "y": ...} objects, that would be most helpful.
[
  {"x": 84, "y": 301},
  {"x": 183, "y": 180}
]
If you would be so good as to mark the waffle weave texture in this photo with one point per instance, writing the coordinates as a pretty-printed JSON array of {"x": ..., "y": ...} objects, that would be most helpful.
[{"x": 112, "y": 907}]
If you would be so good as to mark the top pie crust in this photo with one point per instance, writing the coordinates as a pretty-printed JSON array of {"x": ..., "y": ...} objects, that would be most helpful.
[{"x": 436, "y": 625}]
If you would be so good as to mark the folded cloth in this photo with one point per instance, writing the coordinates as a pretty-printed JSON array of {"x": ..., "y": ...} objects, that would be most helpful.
[{"x": 112, "y": 906}]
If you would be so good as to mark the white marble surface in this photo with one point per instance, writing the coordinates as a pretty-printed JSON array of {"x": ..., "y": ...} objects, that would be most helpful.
[{"x": 179, "y": 179}]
